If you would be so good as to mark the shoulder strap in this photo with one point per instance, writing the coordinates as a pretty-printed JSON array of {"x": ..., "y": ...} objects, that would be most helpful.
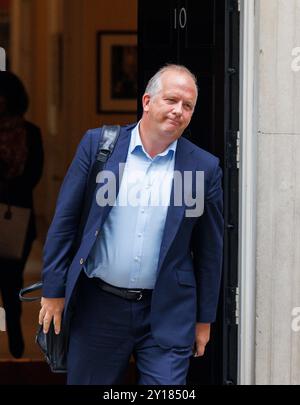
[
  {"x": 106, "y": 146},
  {"x": 110, "y": 134},
  {"x": 108, "y": 140},
  {"x": 27, "y": 290}
]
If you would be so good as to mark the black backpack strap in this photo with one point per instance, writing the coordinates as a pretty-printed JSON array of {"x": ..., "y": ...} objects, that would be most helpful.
[
  {"x": 110, "y": 134},
  {"x": 108, "y": 140}
]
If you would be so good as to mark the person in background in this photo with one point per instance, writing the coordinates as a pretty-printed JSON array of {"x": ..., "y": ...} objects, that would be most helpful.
[{"x": 21, "y": 165}]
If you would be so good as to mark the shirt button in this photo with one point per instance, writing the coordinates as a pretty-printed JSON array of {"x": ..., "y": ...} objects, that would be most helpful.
[
  {"x": 142, "y": 211},
  {"x": 96, "y": 233},
  {"x": 140, "y": 235},
  {"x": 136, "y": 259},
  {"x": 81, "y": 261}
]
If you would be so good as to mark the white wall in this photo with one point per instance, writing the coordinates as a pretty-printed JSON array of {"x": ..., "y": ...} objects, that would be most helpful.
[{"x": 277, "y": 354}]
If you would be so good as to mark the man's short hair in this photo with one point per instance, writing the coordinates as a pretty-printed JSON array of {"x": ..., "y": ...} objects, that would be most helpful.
[{"x": 154, "y": 84}]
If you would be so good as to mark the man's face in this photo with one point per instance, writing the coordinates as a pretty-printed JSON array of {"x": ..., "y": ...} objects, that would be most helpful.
[{"x": 170, "y": 110}]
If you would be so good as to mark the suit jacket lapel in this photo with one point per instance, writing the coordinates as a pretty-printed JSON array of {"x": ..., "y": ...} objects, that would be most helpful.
[{"x": 175, "y": 213}]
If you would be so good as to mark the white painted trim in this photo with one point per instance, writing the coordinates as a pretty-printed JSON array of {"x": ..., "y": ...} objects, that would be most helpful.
[{"x": 247, "y": 193}]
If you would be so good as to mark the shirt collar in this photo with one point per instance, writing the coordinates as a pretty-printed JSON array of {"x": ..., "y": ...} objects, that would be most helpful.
[{"x": 136, "y": 144}]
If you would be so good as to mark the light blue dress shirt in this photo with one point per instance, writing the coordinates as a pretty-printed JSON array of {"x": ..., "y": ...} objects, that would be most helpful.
[{"x": 126, "y": 252}]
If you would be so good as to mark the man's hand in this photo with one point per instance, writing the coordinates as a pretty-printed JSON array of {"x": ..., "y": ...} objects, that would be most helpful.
[
  {"x": 52, "y": 308},
  {"x": 201, "y": 338}
]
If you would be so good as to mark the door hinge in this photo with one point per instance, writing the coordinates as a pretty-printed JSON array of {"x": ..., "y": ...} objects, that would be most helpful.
[
  {"x": 238, "y": 149},
  {"x": 234, "y": 5},
  {"x": 237, "y": 305},
  {"x": 232, "y": 306}
]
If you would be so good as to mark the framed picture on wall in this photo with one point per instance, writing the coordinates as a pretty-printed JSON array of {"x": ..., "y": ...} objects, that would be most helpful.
[{"x": 116, "y": 72}]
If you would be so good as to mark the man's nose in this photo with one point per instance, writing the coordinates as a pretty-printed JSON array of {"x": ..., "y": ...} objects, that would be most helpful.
[{"x": 178, "y": 108}]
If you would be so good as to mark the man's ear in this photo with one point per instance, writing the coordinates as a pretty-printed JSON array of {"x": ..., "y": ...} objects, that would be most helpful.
[{"x": 146, "y": 101}]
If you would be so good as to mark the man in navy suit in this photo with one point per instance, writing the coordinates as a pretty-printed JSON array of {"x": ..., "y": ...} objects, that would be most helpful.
[{"x": 147, "y": 272}]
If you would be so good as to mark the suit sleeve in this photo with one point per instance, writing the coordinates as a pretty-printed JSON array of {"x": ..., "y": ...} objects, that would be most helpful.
[
  {"x": 207, "y": 248},
  {"x": 63, "y": 229}
]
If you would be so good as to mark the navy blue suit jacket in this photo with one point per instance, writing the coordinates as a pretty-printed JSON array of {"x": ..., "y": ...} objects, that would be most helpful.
[{"x": 190, "y": 260}]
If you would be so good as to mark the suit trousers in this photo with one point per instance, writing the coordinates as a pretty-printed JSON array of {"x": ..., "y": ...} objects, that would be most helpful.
[{"x": 106, "y": 330}]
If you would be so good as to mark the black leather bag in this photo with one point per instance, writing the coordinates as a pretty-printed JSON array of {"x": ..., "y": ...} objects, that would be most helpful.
[{"x": 55, "y": 346}]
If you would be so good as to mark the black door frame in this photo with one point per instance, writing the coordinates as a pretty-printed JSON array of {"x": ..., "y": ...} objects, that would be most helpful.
[{"x": 231, "y": 194}]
